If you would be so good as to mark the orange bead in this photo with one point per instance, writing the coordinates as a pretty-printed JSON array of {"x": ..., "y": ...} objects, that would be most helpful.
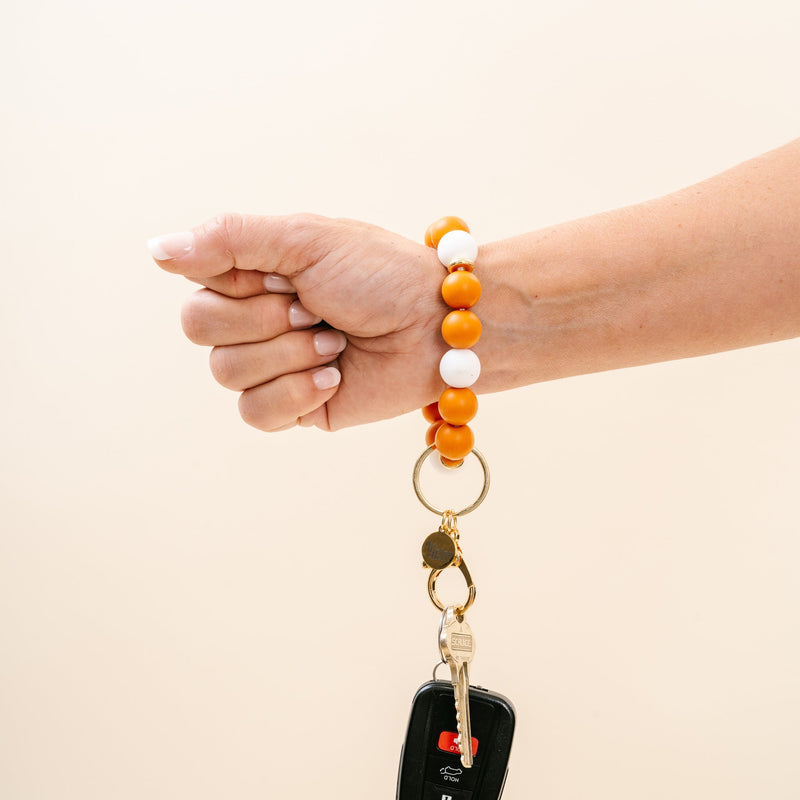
[
  {"x": 461, "y": 329},
  {"x": 454, "y": 441},
  {"x": 458, "y": 406},
  {"x": 450, "y": 463},
  {"x": 461, "y": 289},
  {"x": 442, "y": 226},
  {"x": 430, "y": 434},
  {"x": 431, "y": 412},
  {"x": 461, "y": 267}
]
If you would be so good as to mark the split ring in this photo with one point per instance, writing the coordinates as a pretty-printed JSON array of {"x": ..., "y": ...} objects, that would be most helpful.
[{"x": 440, "y": 512}]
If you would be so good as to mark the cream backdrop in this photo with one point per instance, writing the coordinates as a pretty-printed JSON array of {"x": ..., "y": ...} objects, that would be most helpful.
[{"x": 194, "y": 609}]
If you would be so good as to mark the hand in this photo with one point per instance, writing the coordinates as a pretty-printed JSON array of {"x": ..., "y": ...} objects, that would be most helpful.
[{"x": 275, "y": 286}]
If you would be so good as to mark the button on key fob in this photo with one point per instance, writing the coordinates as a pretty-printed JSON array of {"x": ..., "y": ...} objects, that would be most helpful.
[{"x": 430, "y": 763}]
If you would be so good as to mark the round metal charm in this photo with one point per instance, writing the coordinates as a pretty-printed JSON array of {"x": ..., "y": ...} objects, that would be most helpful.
[{"x": 439, "y": 550}]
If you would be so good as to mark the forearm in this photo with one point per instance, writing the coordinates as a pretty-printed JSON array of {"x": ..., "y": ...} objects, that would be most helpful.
[
  {"x": 709, "y": 268},
  {"x": 713, "y": 267}
]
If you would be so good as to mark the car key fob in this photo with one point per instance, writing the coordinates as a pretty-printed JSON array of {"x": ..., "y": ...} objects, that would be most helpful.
[{"x": 430, "y": 764}]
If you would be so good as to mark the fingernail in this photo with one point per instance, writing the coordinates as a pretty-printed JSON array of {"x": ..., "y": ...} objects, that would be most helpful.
[
  {"x": 172, "y": 245},
  {"x": 327, "y": 378},
  {"x": 301, "y": 317},
  {"x": 277, "y": 283},
  {"x": 329, "y": 343}
]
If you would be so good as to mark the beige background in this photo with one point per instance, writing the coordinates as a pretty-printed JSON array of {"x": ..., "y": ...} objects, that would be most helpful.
[{"x": 193, "y": 609}]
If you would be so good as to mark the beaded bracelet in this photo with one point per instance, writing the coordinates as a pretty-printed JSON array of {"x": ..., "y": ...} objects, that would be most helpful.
[{"x": 461, "y": 329}]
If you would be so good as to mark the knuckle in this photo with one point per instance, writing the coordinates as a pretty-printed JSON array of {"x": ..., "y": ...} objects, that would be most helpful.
[
  {"x": 193, "y": 320},
  {"x": 283, "y": 404},
  {"x": 222, "y": 363},
  {"x": 251, "y": 410},
  {"x": 295, "y": 393},
  {"x": 307, "y": 235},
  {"x": 300, "y": 224},
  {"x": 227, "y": 225},
  {"x": 225, "y": 229},
  {"x": 258, "y": 413}
]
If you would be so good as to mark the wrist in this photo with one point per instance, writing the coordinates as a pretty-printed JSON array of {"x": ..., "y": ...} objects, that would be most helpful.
[
  {"x": 561, "y": 301},
  {"x": 513, "y": 344}
]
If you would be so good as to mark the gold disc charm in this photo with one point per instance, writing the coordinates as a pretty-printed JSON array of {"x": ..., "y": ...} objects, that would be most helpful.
[{"x": 439, "y": 550}]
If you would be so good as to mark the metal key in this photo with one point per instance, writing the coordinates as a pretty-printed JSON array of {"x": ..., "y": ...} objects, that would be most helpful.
[{"x": 457, "y": 646}]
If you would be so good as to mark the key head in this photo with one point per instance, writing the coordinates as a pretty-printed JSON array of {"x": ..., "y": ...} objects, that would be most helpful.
[
  {"x": 456, "y": 642},
  {"x": 430, "y": 768}
]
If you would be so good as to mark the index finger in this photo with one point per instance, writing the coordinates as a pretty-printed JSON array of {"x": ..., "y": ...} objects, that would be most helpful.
[
  {"x": 246, "y": 283},
  {"x": 286, "y": 245}
]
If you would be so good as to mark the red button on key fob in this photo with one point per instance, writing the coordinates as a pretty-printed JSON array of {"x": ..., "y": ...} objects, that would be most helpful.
[{"x": 447, "y": 742}]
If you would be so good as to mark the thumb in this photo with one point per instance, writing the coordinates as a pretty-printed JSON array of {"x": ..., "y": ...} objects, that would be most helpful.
[{"x": 286, "y": 245}]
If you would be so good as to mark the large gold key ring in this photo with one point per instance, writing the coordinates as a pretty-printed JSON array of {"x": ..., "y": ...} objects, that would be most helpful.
[
  {"x": 460, "y": 610},
  {"x": 424, "y": 500}
]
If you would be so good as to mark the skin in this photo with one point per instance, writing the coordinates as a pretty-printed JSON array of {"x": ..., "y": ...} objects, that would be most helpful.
[{"x": 712, "y": 267}]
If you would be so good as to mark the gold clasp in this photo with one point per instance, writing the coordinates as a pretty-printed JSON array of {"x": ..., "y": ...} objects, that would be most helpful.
[{"x": 471, "y": 591}]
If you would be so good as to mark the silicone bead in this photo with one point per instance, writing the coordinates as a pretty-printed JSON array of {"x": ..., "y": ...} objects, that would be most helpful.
[
  {"x": 430, "y": 434},
  {"x": 461, "y": 329},
  {"x": 461, "y": 289},
  {"x": 442, "y": 226},
  {"x": 460, "y": 368},
  {"x": 431, "y": 412},
  {"x": 457, "y": 247},
  {"x": 458, "y": 406},
  {"x": 454, "y": 441}
]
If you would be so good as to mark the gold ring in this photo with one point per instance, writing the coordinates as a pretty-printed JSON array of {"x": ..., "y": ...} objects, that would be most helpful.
[
  {"x": 440, "y": 512},
  {"x": 460, "y": 610}
]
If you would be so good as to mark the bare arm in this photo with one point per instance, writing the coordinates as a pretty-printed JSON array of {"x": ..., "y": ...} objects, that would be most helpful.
[
  {"x": 709, "y": 268},
  {"x": 712, "y": 267}
]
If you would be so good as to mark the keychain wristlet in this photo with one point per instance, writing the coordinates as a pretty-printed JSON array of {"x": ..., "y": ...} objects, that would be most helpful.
[
  {"x": 449, "y": 434},
  {"x": 459, "y": 367},
  {"x": 444, "y": 756}
]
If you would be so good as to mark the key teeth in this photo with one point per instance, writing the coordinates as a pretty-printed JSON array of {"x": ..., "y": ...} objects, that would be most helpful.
[{"x": 466, "y": 758}]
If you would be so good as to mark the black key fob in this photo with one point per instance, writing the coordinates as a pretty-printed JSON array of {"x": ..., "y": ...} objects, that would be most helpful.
[{"x": 430, "y": 763}]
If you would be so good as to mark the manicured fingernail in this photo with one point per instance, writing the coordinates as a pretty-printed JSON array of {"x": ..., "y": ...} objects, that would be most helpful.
[
  {"x": 277, "y": 283},
  {"x": 301, "y": 317},
  {"x": 326, "y": 378},
  {"x": 329, "y": 343},
  {"x": 172, "y": 245}
]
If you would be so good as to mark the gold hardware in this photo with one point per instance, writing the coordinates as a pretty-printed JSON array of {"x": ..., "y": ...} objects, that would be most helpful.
[
  {"x": 439, "y": 550},
  {"x": 459, "y": 610},
  {"x": 469, "y": 508}
]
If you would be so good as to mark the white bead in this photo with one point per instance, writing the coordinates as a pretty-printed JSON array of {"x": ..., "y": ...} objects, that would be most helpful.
[
  {"x": 459, "y": 368},
  {"x": 457, "y": 247}
]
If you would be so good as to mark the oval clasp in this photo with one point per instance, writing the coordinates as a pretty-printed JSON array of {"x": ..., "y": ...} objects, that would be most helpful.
[{"x": 471, "y": 590}]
